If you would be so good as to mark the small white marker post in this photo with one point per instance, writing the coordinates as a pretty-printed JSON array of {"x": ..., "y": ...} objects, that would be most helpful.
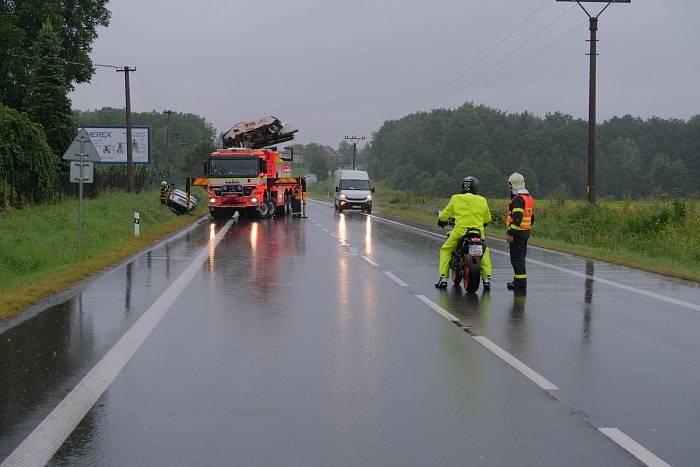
[{"x": 137, "y": 225}]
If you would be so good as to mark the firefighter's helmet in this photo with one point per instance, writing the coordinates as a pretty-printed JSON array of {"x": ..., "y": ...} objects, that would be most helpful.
[{"x": 516, "y": 182}]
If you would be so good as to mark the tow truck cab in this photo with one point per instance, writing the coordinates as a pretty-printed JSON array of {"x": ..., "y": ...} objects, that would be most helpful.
[{"x": 250, "y": 181}]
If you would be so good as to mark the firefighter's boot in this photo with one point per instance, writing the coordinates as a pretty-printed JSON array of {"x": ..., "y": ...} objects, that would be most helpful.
[
  {"x": 441, "y": 283},
  {"x": 517, "y": 284}
]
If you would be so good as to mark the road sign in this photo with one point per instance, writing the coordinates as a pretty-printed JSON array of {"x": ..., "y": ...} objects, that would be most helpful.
[
  {"x": 86, "y": 175},
  {"x": 82, "y": 145}
]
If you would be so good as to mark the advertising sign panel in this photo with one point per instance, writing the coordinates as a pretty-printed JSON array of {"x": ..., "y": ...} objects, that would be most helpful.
[{"x": 110, "y": 142}]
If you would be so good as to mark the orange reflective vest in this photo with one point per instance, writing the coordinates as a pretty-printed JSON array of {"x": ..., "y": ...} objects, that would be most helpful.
[{"x": 528, "y": 211}]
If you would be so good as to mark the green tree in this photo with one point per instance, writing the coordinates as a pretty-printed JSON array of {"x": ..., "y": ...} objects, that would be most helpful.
[
  {"x": 23, "y": 148},
  {"x": 47, "y": 97},
  {"x": 316, "y": 160},
  {"x": 76, "y": 23}
]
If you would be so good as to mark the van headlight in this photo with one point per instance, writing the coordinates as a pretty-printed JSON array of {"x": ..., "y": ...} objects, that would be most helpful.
[
  {"x": 212, "y": 200},
  {"x": 342, "y": 197},
  {"x": 369, "y": 197},
  {"x": 253, "y": 199}
]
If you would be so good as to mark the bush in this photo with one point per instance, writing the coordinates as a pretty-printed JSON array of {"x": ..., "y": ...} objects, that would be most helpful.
[{"x": 23, "y": 148}]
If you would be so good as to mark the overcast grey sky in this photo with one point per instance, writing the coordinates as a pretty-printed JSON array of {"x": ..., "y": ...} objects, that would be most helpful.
[{"x": 335, "y": 67}]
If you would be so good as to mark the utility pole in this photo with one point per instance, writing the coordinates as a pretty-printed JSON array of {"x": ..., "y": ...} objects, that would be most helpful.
[
  {"x": 129, "y": 143},
  {"x": 167, "y": 140},
  {"x": 354, "y": 140},
  {"x": 593, "y": 53}
]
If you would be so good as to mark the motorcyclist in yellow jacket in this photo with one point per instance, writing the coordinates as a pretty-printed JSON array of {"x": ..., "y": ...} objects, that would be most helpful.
[{"x": 470, "y": 211}]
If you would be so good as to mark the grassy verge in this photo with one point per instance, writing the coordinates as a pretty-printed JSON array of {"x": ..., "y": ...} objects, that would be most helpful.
[
  {"x": 653, "y": 235},
  {"x": 39, "y": 255}
]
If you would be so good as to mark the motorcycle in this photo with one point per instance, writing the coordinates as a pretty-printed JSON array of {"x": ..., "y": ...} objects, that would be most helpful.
[{"x": 465, "y": 264}]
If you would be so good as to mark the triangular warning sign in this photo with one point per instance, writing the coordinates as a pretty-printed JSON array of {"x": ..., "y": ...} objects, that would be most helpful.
[{"x": 82, "y": 143}]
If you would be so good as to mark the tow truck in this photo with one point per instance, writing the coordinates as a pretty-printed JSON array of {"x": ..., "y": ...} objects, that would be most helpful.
[{"x": 250, "y": 176}]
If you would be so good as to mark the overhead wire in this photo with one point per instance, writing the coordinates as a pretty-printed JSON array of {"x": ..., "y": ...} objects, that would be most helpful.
[
  {"x": 531, "y": 58},
  {"x": 504, "y": 59},
  {"x": 148, "y": 94},
  {"x": 487, "y": 54}
]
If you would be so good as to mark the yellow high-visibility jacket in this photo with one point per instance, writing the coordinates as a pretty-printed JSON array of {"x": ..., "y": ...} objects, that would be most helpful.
[{"x": 469, "y": 211}]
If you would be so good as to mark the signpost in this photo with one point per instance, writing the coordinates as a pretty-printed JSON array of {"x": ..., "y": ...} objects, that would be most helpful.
[{"x": 82, "y": 154}]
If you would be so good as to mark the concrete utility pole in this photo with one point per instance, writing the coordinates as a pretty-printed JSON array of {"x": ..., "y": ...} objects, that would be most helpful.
[
  {"x": 129, "y": 142},
  {"x": 593, "y": 53},
  {"x": 167, "y": 140},
  {"x": 354, "y": 140}
]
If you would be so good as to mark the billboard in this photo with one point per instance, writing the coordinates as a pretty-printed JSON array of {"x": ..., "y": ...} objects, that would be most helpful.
[{"x": 110, "y": 142}]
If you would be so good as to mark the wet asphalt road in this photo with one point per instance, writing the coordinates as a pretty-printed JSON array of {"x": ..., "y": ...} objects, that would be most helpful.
[{"x": 289, "y": 347}]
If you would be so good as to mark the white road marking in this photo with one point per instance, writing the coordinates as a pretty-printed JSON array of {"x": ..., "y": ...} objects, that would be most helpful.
[
  {"x": 440, "y": 310},
  {"x": 370, "y": 261},
  {"x": 47, "y": 438},
  {"x": 334, "y": 235},
  {"x": 637, "y": 450},
  {"x": 528, "y": 372},
  {"x": 628, "y": 288},
  {"x": 395, "y": 279}
]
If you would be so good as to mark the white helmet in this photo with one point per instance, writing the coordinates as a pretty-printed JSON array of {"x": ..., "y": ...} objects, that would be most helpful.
[{"x": 516, "y": 181}]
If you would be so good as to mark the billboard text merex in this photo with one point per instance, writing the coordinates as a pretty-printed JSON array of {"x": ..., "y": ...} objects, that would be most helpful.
[{"x": 110, "y": 142}]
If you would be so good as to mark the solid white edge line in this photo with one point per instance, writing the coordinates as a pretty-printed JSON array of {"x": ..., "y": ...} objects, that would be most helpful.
[
  {"x": 46, "y": 439},
  {"x": 628, "y": 288},
  {"x": 437, "y": 308},
  {"x": 395, "y": 279},
  {"x": 370, "y": 261},
  {"x": 528, "y": 372},
  {"x": 637, "y": 450}
]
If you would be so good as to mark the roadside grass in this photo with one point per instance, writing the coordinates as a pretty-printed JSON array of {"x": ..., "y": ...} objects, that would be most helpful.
[
  {"x": 657, "y": 235},
  {"x": 38, "y": 256}
]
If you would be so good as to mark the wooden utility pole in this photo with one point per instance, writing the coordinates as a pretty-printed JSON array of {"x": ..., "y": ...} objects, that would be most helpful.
[
  {"x": 129, "y": 141},
  {"x": 354, "y": 140},
  {"x": 167, "y": 140}
]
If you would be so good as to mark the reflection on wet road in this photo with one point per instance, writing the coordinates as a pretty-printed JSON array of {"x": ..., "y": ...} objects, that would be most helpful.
[{"x": 296, "y": 344}]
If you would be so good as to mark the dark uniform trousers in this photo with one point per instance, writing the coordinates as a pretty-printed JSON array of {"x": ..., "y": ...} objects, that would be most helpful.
[{"x": 518, "y": 252}]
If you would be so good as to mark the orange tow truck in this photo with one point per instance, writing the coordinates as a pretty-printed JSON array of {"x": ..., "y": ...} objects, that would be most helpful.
[{"x": 251, "y": 178}]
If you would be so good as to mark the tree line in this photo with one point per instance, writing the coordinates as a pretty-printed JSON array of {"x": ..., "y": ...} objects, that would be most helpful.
[{"x": 430, "y": 152}]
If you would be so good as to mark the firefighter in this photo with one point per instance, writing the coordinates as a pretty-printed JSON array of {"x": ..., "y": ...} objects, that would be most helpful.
[
  {"x": 164, "y": 189},
  {"x": 519, "y": 220},
  {"x": 470, "y": 211}
]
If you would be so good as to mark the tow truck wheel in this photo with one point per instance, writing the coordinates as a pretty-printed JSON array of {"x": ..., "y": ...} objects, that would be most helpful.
[{"x": 263, "y": 210}]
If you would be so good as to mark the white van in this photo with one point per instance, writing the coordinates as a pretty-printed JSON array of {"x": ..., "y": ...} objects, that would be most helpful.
[{"x": 352, "y": 190}]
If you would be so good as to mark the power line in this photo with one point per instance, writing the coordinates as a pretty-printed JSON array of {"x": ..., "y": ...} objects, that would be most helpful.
[
  {"x": 487, "y": 54},
  {"x": 504, "y": 59},
  {"x": 531, "y": 58},
  {"x": 150, "y": 97}
]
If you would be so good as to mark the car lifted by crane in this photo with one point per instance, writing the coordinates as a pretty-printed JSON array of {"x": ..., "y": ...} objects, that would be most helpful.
[{"x": 251, "y": 178}]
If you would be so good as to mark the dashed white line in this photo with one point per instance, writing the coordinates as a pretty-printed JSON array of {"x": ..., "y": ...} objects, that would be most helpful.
[
  {"x": 637, "y": 450},
  {"x": 395, "y": 279},
  {"x": 440, "y": 310},
  {"x": 39, "y": 447},
  {"x": 629, "y": 288},
  {"x": 370, "y": 261},
  {"x": 528, "y": 372}
]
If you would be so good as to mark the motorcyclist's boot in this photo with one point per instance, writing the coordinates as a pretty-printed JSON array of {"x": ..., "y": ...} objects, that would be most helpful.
[
  {"x": 441, "y": 283},
  {"x": 487, "y": 284},
  {"x": 517, "y": 284}
]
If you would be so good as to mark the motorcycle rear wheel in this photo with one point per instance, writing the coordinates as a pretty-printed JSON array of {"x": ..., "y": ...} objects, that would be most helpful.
[{"x": 472, "y": 278}]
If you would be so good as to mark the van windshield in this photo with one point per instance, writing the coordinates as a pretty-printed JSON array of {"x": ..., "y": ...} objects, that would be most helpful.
[{"x": 348, "y": 184}]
